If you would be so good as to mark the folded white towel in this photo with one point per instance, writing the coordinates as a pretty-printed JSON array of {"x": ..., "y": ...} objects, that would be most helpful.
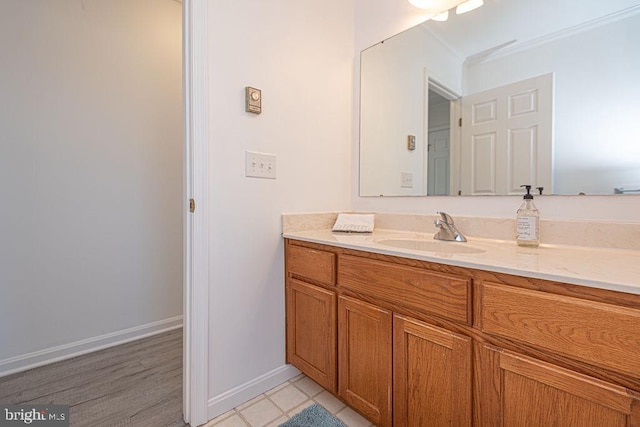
[{"x": 354, "y": 223}]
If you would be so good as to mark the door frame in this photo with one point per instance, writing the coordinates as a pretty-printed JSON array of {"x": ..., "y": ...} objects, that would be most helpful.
[{"x": 196, "y": 224}]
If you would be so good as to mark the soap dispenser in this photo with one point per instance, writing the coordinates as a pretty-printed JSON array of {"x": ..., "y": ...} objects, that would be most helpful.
[{"x": 527, "y": 221}]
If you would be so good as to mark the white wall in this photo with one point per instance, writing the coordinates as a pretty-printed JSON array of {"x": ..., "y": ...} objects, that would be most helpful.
[
  {"x": 301, "y": 55},
  {"x": 393, "y": 107},
  {"x": 596, "y": 109},
  {"x": 90, "y": 171},
  {"x": 394, "y": 91},
  {"x": 380, "y": 19}
]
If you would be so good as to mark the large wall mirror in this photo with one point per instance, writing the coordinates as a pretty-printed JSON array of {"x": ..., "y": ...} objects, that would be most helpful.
[{"x": 516, "y": 92}]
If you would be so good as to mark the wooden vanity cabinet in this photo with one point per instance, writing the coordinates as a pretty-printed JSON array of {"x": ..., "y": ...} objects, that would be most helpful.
[
  {"x": 365, "y": 359},
  {"x": 520, "y": 391},
  {"x": 411, "y": 343},
  {"x": 393, "y": 364},
  {"x": 431, "y": 375},
  {"x": 407, "y": 287},
  {"x": 600, "y": 333},
  {"x": 311, "y": 311},
  {"x": 311, "y": 332},
  {"x": 392, "y": 368},
  {"x": 431, "y": 366}
]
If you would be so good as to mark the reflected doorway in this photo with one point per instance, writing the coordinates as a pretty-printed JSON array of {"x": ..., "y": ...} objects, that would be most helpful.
[{"x": 439, "y": 146}]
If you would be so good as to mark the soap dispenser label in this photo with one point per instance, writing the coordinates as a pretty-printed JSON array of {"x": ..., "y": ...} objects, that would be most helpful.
[{"x": 527, "y": 228}]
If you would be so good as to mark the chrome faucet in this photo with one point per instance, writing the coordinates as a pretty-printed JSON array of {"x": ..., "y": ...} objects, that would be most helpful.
[{"x": 447, "y": 230}]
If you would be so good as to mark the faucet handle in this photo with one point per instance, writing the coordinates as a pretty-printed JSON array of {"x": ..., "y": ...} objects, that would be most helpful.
[{"x": 446, "y": 217}]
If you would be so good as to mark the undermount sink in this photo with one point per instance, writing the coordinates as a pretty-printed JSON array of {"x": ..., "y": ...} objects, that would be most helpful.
[{"x": 436, "y": 246}]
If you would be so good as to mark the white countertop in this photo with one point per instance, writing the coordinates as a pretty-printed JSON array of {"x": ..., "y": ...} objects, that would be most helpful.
[{"x": 613, "y": 269}]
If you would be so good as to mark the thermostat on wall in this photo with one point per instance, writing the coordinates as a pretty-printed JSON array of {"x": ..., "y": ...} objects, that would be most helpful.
[{"x": 253, "y": 100}]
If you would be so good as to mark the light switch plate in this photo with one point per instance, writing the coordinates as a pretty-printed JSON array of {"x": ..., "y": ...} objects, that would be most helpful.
[
  {"x": 406, "y": 180},
  {"x": 260, "y": 165}
]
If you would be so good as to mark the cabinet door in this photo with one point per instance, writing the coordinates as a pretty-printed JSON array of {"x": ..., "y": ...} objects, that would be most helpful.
[
  {"x": 364, "y": 359},
  {"x": 311, "y": 332},
  {"x": 522, "y": 391},
  {"x": 431, "y": 375}
]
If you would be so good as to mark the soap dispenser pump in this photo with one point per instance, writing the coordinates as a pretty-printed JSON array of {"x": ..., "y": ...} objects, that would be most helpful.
[{"x": 528, "y": 221}]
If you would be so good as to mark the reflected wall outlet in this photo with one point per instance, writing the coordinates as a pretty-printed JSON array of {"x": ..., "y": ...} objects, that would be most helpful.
[
  {"x": 406, "y": 179},
  {"x": 260, "y": 165}
]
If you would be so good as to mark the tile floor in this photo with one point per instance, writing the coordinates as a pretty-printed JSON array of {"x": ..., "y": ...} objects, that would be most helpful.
[{"x": 283, "y": 402}]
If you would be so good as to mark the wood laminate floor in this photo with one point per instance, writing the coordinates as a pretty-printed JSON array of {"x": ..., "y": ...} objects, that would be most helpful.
[{"x": 133, "y": 384}]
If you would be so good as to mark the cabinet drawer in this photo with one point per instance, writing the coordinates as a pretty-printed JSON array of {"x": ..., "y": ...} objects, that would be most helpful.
[
  {"x": 311, "y": 263},
  {"x": 602, "y": 334},
  {"x": 430, "y": 292}
]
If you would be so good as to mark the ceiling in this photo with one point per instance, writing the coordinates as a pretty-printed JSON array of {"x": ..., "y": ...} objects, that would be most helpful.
[{"x": 501, "y": 22}]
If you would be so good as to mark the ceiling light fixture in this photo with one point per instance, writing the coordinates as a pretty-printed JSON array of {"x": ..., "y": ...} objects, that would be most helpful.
[
  {"x": 421, "y": 4},
  {"x": 439, "y": 9},
  {"x": 468, "y": 6},
  {"x": 441, "y": 17}
]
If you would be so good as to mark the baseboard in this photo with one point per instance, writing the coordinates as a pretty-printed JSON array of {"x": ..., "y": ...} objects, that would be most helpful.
[
  {"x": 228, "y": 400},
  {"x": 23, "y": 362}
]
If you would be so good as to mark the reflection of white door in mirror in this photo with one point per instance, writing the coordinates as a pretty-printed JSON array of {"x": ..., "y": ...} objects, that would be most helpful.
[
  {"x": 507, "y": 138},
  {"x": 438, "y": 163}
]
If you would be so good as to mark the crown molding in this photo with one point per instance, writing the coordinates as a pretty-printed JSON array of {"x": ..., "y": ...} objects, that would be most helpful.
[{"x": 516, "y": 47}]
